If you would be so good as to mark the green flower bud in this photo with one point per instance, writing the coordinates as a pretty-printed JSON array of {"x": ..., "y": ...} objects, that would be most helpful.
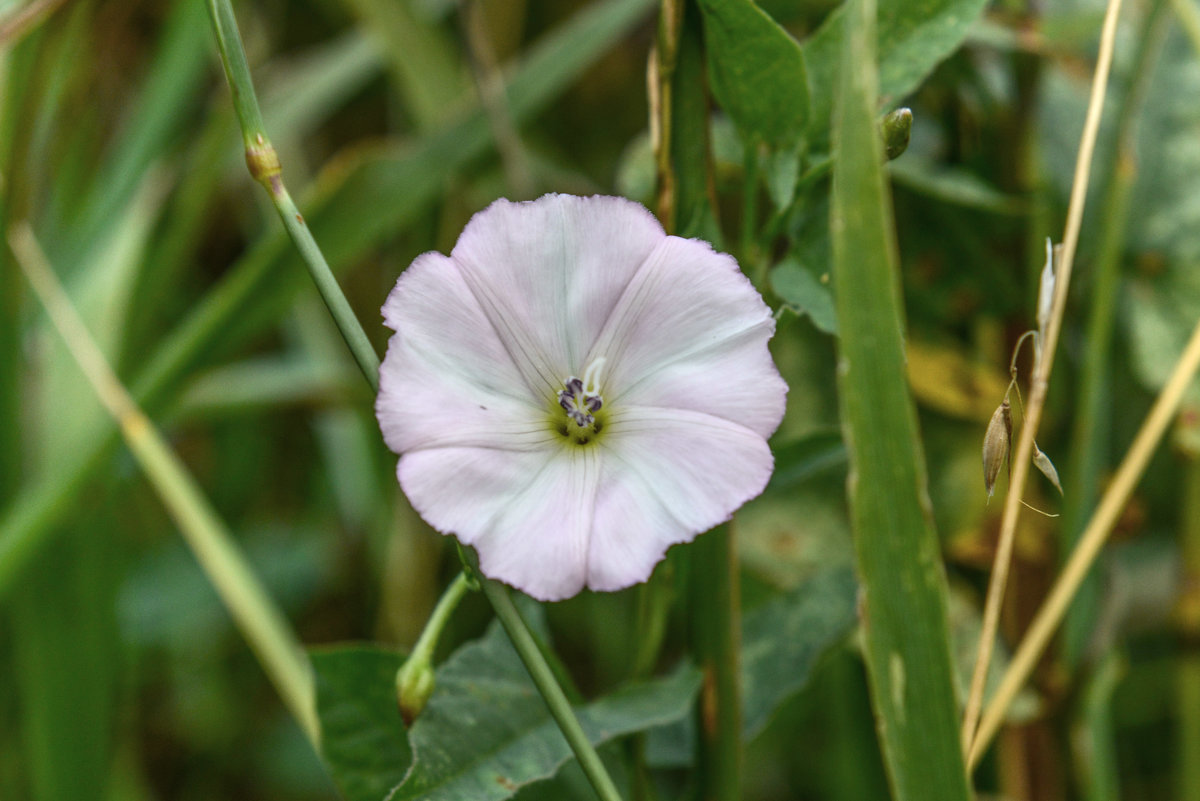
[
  {"x": 414, "y": 685},
  {"x": 896, "y": 128}
]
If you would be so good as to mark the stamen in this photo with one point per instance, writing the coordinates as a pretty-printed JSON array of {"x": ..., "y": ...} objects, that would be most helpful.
[{"x": 580, "y": 398}]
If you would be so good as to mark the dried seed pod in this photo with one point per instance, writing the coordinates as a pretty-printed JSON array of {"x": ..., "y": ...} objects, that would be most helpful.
[
  {"x": 1042, "y": 462},
  {"x": 996, "y": 443}
]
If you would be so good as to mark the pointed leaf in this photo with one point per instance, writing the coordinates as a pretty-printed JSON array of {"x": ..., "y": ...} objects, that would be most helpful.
[
  {"x": 757, "y": 72},
  {"x": 486, "y": 733},
  {"x": 914, "y": 36},
  {"x": 782, "y": 641},
  {"x": 804, "y": 294},
  {"x": 363, "y": 740}
]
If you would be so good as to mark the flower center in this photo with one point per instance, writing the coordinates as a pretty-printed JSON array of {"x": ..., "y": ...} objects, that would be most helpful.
[
  {"x": 579, "y": 404},
  {"x": 580, "y": 399}
]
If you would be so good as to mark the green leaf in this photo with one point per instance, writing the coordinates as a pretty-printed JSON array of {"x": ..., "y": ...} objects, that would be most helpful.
[
  {"x": 804, "y": 294},
  {"x": 1163, "y": 298},
  {"x": 800, "y": 460},
  {"x": 67, "y": 662},
  {"x": 783, "y": 639},
  {"x": 158, "y": 115},
  {"x": 511, "y": 740},
  {"x": 781, "y": 171},
  {"x": 363, "y": 740},
  {"x": 914, "y": 36},
  {"x": 907, "y": 641},
  {"x": 757, "y": 72},
  {"x": 954, "y": 185}
]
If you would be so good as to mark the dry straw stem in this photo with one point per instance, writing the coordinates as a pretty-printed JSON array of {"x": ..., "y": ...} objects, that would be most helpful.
[
  {"x": 262, "y": 624},
  {"x": 17, "y": 23},
  {"x": 1041, "y": 379},
  {"x": 1090, "y": 542}
]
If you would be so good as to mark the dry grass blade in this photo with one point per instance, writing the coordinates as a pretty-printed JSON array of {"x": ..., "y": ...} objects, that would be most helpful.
[
  {"x": 1090, "y": 542},
  {"x": 1041, "y": 378}
]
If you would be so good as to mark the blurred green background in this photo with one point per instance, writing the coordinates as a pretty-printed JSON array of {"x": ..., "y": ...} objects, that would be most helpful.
[{"x": 121, "y": 675}]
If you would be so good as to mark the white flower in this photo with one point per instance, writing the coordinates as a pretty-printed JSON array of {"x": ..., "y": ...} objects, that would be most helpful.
[{"x": 572, "y": 391}]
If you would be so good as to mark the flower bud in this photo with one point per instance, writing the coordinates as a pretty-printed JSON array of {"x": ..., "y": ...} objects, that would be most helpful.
[
  {"x": 996, "y": 443},
  {"x": 897, "y": 128},
  {"x": 414, "y": 685}
]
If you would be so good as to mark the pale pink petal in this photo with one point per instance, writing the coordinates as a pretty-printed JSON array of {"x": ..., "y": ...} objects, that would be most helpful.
[
  {"x": 669, "y": 333},
  {"x": 691, "y": 332},
  {"x": 667, "y": 476},
  {"x": 446, "y": 379},
  {"x": 529, "y": 515},
  {"x": 735, "y": 380},
  {"x": 549, "y": 272}
]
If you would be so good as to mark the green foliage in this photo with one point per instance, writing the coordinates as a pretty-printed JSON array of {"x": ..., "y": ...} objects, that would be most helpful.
[
  {"x": 1163, "y": 299},
  {"x": 904, "y": 584},
  {"x": 757, "y": 72},
  {"x": 804, "y": 294},
  {"x": 485, "y": 733},
  {"x": 784, "y": 638},
  {"x": 363, "y": 739},
  {"x": 121, "y": 675},
  {"x": 914, "y": 36}
]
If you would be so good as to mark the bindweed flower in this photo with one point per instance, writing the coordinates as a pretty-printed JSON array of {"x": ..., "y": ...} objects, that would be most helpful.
[{"x": 571, "y": 391}]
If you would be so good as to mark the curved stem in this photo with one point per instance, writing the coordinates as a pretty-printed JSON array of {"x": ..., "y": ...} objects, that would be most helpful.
[
  {"x": 446, "y": 605},
  {"x": 552, "y": 694}
]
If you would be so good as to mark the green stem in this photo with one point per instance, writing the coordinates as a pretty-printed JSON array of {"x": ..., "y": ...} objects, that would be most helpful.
[
  {"x": 415, "y": 679},
  {"x": 427, "y": 642},
  {"x": 1096, "y": 755},
  {"x": 716, "y": 635},
  {"x": 652, "y": 615},
  {"x": 552, "y": 693},
  {"x": 264, "y": 166},
  {"x": 653, "y": 607},
  {"x": 749, "y": 250}
]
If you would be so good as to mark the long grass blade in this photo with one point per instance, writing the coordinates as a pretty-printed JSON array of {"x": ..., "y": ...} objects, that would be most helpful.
[
  {"x": 262, "y": 624},
  {"x": 903, "y": 601}
]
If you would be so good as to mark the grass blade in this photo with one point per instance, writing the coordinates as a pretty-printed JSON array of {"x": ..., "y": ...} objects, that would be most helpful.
[
  {"x": 260, "y": 620},
  {"x": 903, "y": 599}
]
